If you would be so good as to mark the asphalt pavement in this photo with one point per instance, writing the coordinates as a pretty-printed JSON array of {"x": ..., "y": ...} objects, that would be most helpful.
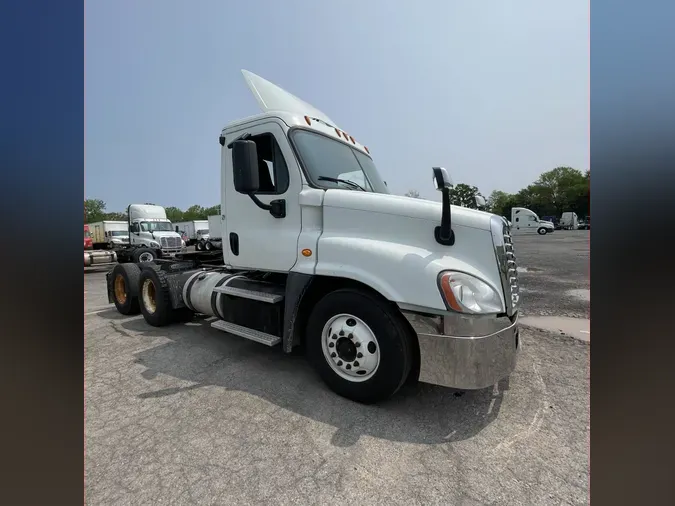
[{"x": 190, "y": 415}]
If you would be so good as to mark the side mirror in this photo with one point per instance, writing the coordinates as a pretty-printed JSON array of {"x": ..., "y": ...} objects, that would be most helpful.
[
  {"x": 245, "y": 166},
  {"x": 480, "y": 201},
  {"x": 443, "y": 233},
  {"x": 441, "y": 178}
]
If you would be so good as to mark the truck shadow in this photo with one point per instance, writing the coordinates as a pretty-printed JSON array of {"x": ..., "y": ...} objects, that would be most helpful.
[{"x": 419, "y": 413}]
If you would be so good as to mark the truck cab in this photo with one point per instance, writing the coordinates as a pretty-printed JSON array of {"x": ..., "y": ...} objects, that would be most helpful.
[
  {"x": 151, "y": 235},
  {"x": 316, "y": 251},
  {"x": 524, "y": 221}
]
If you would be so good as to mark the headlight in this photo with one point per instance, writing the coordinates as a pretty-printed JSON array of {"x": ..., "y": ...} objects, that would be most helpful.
[
  {"x": 182, "y": 243},
  {"x": 154, "y": 244},
  {"x": 467, "y": 294}
]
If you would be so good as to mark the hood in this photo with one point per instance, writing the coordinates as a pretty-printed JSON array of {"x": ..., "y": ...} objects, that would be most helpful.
[
  {"x": 405, "y": 206},
  {"x": 272, "y": 98},
  {"x": 544, "y": 222}
]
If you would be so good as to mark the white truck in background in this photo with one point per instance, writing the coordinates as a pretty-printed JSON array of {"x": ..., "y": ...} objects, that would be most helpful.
[
  {"x": 109, "y": 234},
  {"x": 196, "y": 230},
  {"x": 569, "y": 221},
  {"x": 524, "y": 221},
  {"x": 215, "y": 239},
  {"x": 379, "y": 289},
  {"x": 151, "y": 235}
]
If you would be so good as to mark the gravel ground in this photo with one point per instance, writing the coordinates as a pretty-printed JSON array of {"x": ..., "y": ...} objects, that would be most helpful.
[
  {"x": 190, "y": 415},
  {"x": 554, "y": 273}
]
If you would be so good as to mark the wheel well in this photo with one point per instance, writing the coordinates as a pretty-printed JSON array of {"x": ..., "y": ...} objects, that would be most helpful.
[{"x": 322, "y": 285}]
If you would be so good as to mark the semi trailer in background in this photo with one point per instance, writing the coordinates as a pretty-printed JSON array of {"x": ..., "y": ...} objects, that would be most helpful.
[
  {"x": 109, "y": 234},
  {"x": 195, "y": 230}
]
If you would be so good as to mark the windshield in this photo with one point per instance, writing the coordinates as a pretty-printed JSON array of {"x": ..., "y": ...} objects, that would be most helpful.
[
  {"x": 156, "y": 226},
  {"x": 202, "y": 232},
  {"x": 119, "y": 233},
  {"x": 323, "y": 157}
]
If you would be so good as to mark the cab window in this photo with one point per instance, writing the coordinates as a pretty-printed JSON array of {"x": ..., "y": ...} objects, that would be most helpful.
[{"x": 273, "y": 170}]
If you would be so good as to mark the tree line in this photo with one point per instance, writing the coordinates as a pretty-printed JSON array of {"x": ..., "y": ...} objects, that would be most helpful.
[
  {"x": 95, "y": 210},
  {"x": 553, "y": 193}
]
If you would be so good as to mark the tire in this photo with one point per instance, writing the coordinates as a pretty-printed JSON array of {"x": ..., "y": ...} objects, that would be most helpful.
[
  {"x": 372, "y": 317},
  {"x": 125, "y": 279},
  {"x": 208, "y": 246},
  {"x": 199, "y": 246},
  {"x": 143, "y": 255},
  {"x": 542, "y": 231},
  {"x": 154, "y": 298}
]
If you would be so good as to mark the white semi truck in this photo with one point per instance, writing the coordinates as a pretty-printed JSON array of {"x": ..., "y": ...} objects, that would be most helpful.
[
  {"x": 197, "y": 231},
  {"x": 215, "y": 239},
  {"x": 109, "y": 234},
  {"x": 151, "y": 235},
  {"x": 378, "y": 288},
  {"x": 569, "y": 221},
  {"x": 524, "y": 221}
]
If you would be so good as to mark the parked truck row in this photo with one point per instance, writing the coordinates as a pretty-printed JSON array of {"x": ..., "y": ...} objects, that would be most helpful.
[{"x": 317, "y": 255}]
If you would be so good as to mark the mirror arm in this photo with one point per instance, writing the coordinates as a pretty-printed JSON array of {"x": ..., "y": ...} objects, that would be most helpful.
[
  {"x": 444, "y": 234},
  {"x": 277, "y": 208}
]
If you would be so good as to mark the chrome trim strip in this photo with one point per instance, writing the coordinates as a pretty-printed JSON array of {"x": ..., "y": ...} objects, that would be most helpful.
[{"x": 506, "y": 262}]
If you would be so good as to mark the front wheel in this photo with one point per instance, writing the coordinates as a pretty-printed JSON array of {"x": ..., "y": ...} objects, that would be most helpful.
[
  {"x": 359, "y": 345},
  {"x": 143, "y": 255},
  {"x": 208, "y": 246},
  {"x": 542, "y": 231}
]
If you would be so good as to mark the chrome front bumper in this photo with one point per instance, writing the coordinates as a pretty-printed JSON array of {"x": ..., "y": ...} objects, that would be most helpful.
[{"x": 465, "y": 352}]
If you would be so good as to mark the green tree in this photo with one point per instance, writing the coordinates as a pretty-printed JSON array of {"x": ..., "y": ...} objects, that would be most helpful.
[
  {"x": 464, "y": 195},
  {"x": 212, "y": 211},
  {"x": 500, "y": 203},
  {"x": 174, "y": 214},
  {"x": 94, "y": 210}
]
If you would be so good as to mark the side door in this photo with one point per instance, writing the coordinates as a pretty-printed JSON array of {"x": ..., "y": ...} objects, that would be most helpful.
[
  {"x": 532, "y": 224},
  {"x": 252, "y": 237}
]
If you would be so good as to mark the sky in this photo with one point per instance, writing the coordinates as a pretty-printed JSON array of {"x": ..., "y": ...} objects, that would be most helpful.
[{"x": 496, "y": 92}]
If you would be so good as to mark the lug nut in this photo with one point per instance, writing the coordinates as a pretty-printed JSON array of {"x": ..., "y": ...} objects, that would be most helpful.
[
  {"x": 333, "y": 355},
  {"x": 357, "y": 344},
  {"x": 342, "y": 332},
  {"x": 331, "y": 344},
  {"x": 350, "y": 336},
  {"x": 334, "y": 336},
  {"x": 356, "y": 363},
  {"x": 339, "y": 362},
  {"x": 359, "y": 355},
  {"x": 349, "y": 366}
]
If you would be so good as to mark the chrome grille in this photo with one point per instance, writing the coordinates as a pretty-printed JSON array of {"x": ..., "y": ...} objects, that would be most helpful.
[
  {"x": 170, "y": 242},
  {"x": 506, "y": 259}
]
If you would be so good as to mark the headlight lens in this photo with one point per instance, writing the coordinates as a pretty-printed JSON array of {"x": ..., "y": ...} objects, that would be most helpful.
[
  {"x": 467, "y": 294},
  {"x": 154, "y": 244}
]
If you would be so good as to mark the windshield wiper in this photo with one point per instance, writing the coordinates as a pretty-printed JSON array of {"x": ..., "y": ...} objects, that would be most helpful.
[{"x": 345, "y": 181}]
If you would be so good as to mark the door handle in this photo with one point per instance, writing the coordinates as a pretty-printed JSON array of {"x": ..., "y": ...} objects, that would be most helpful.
[{"x": 234, "y": 244}]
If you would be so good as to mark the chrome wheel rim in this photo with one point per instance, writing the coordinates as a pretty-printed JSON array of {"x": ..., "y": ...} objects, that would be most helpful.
[
  {"x": 350, "y": 348},
  {"x": 145, "y": 257}
]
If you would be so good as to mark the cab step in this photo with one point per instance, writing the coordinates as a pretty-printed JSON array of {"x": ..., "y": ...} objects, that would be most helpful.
[
  {"x": 253, "y": 335},
  {"x": 254, "y": 290}
]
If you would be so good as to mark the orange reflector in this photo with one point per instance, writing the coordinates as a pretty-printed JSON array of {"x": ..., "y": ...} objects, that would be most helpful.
[
  {"x": 449, "y": 295},
  {"x": 352, "y": 139},
  {"x": 308, "y": 120},
  {"x": 366, "y": 148},
  {"x": 306, "y": 252}
]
